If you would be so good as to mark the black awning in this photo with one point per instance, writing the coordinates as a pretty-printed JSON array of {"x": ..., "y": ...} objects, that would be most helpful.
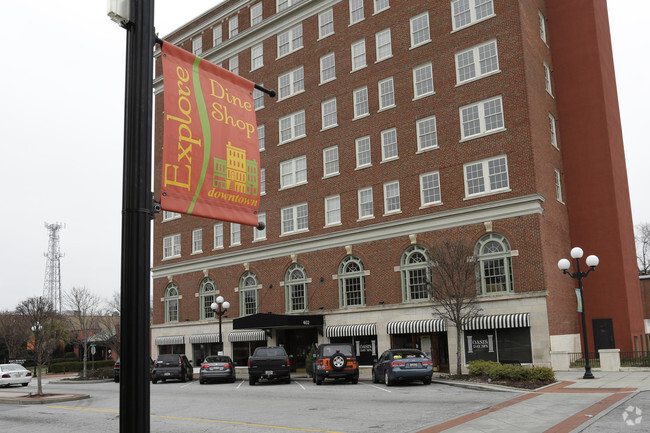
[{"x": 269, "y": 320}]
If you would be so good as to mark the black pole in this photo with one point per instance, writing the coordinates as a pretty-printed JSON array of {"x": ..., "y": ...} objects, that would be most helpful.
[
  {"x": 580, "y": 275},
  {"x": 136, "y": 221},
  {"x": 220, "y": 334}
]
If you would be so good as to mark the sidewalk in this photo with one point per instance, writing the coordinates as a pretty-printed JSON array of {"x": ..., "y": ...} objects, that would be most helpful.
[{"x": 18, "y": 396}]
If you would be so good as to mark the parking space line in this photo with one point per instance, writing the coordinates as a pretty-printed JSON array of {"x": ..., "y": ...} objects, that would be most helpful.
[
  {"x": 299, "y": 384},
  {"x": 382, "y": 389},
  {"x": 240, "y": 384},
  {"x": 187, "y": 384}
]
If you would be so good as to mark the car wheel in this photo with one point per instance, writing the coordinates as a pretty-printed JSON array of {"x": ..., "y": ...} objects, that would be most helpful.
[
  {"x": 154, "y": 381},
  {"x": 164, "y": 380},
  {"x": 252, "y": 380},
  {"x": 387, "y": 380},
  {"x": 24, "y": 384},
  {"x": 287, "y": 380},
  {"x": 117, "y": 380},
  {"x": 319, "y": 380},
  {"x": 337, "y": 361},
  {"x": 355, "y": 380},
  {"x": 201, "y": 381},
  {"x": 427, "y": 381},
  {"x": 375, "y": 379}
]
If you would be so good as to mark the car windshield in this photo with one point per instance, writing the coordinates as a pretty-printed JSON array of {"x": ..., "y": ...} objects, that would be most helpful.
[
  {"x": 333, "y": 348},
  {"x": 405, "y": 354},
  {"x": 214, "y": 359}
]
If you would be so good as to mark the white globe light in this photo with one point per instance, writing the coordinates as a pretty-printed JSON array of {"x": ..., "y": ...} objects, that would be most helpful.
[
  {"x": 592, "y": 261},
  {"x": 226, "y": 305},
  {"x": 577, "y": 253},
  {"x": 564, "y": 264},
  {"x": 214, "y": 306},
  {"x": 219, "y": 299}
]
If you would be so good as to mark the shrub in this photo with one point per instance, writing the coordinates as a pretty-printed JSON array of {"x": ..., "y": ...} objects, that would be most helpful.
[
  {"x": 77, "y": 366},
  {"x": 497, "y": 371},
  {"x": 70, "y": 355}
]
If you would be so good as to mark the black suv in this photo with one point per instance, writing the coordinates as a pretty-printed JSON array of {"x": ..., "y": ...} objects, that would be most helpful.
[
  {"x": 172, "y": 367},
  {"x": 336, "y": 361}
]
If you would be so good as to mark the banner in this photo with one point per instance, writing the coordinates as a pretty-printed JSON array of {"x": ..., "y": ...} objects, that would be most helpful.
[{"x": 211, "y": 160}]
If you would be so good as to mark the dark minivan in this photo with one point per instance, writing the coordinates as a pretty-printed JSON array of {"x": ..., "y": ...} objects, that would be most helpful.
[{"x": 172, "y": 367}]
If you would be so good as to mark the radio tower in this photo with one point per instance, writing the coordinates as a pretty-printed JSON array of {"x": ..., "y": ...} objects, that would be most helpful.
[{"x": 52, "y": 286}]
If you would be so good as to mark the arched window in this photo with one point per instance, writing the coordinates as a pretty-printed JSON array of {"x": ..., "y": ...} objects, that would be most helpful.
[
  {"x": 415, "y": 272},
  {"x": 494, "y": 264},
  {"x": 171, "y": 303},
  {"x": 295, "y": 284},
  {"x": 248, "y": 302},
  {"x": 207, "y": 290},
  {"x": 351, "y": 282}
]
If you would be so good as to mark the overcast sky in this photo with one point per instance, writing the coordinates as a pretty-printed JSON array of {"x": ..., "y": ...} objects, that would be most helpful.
[{"x": 61, "y": 116}]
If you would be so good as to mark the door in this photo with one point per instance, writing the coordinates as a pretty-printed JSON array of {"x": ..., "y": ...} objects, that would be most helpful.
[{"x": 603, "y": 334}]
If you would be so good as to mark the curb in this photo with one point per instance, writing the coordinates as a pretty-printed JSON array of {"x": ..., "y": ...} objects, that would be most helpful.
[{"x": 56, "y": 398}]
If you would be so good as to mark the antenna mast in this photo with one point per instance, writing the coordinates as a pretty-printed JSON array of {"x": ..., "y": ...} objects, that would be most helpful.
[{"x": 52, "y": 286}]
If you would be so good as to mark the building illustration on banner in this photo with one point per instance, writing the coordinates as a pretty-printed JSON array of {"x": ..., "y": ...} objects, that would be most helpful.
[{"x": 236, "y": 173}]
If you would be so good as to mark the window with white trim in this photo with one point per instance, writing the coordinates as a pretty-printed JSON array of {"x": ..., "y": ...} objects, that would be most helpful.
[
  {"x": 481, "y": 118},
  {"x": 420, "y": 30},
  {"x": 257, "y": 57},
  {"x": 558, "y": 186},
  {"x": 366, "y": 204},
  {"x": 383, "y": 45},
  {"x": 260, "y": 235},
  {"x": 233, "y": 64},
  {"x": 295, "y": 285},
  {"x": 327, "y": 68},
  {"x": 328, "y": 114},
  {"x": 293, "y": 172},
  {"x": 291, "y": 83},
  {"x": 351, "y": 278},
  {"x": 414, "y": 270},
  {"x": 542, "y": 26},
  {"x": 261, "y": 142},
  {"x": 358, "y": 50},
  {"x": 248, "y": 299},
  {"x": 469, "y": 69},
  {"x": 325, "y": 23},
  {"x": 391, "y": 197},
  {"x": 467, "y": 12},
  {"x": 197, "y": 45},
  {"x": 332, "y": 210},
  {"x": 256, "y": 14},
  {"x": 171, "y": 303},
  {"x": 361, "y": 107},
  {"x": 262, "y": 181},
  {"x": 362, "y": 146},
  {"x": 284, "y": 4},
  {"x": 233, "y": 26},
  {"x": 423, "y": 81},
  {"x": 494, "y": 263},
  {"x": 331, "y": 161},
  {"x": 294, "y": 219},
  {"x": 552, "y": 124},
  {"x": 290, "y": 41},
  {"x": 386, "y": 93},
  {"x": 547, "y": 79},
  {"x": 381, "y": 5},
  {"x": 171, "y": 246},
  {"x": 197, "y": 241},
  {"x": 235, "y": 234},
  {"x": 486, "y": 177},
  {"x": 217, "y": 35},
  {"x": 218, "y": 236},
  {"x": 356, "y": 11},
  {"x": 258, "y": 98},
  {"x": 430, "y": 188},
  {"x": 427, "y": 134},
  {"x": 292, "y": 126},
  {"x": 207, "y": 292},
  {"x": 168, "y": 216},
  {"x": 389, "y": 145}
]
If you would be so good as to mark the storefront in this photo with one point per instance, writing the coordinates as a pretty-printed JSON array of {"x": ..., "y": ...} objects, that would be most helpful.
[
  {"x": 171, "y": 345},
  {"x": 503, "y": 338},
  {"x": 363, "y": 336},
  {"x": 203, "y": 345},
  {"x": 244, "y": 344},
  {"x": 430, "y": 336}
]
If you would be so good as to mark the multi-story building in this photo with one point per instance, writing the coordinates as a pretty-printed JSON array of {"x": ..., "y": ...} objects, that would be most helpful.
[{"x": 399, "y": 125}]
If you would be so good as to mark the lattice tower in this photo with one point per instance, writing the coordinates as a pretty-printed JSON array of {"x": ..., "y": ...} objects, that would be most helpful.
[{"x": 52, "y": 286}]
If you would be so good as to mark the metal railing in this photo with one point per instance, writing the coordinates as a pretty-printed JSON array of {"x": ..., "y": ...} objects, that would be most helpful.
[
  {"x": 577, "y": 359},
  {"x": 637, "y": 358}
]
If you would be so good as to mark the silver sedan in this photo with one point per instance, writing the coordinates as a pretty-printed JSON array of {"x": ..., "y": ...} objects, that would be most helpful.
[
  {"x": 217, "y": 367},
  {"x": 14, "y": 374}
]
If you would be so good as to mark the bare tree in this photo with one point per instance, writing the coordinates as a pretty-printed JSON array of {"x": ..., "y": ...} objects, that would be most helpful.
[
  {"x": 642, "y": 237},
  {"x": 452, "y": 286},
  {"x": 14, "y": 333},
  {"x": 85, "y": 311},
  {"x": 110, "y": 323}
]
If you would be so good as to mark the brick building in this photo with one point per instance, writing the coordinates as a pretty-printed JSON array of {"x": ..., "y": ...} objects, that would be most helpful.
[{"x": 399, "y": 125}]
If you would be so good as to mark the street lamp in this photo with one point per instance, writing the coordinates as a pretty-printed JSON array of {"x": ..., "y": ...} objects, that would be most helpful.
[
  {"x": 564, "y": 264},
  {"x": 220, "y": 307}
]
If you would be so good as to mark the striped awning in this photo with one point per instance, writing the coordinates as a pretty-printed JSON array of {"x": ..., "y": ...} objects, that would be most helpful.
[
  {"x": 351, "y": 330},
  {"x": 164, "y": 341},
  {"x": 519, "y": 320},
  {"x": 416, "y": 326},
  {"x": 258, "y": 335},
  {"x": 204, "y": 338}
]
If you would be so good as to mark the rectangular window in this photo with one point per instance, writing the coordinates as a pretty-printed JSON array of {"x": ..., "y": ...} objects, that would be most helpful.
[
  {"x": 331, "y": 161},
  {"x": 363, "y": 151},
  {"x": 427, "y": 133},
  {"x": 167, "y": 216},
  {"x": 542, "y": 26},
  {"x": 420, "y": 30},
  {"x": 290, "y": 41},
  {"x": 197, "y": 241},
  {"x": 171, "y": 246},
  {"x": 467, "y": 66},
  {"x": 384, "y": 48},
  {"x": 481, "y": 118},
  {"x": 293, "y": 172},
  {"x": 358, "y": 50},
  {"x": 260, "y": 137},
  {"x": 233, "y": 26},
  {"x": 197, "y": 45},
  {"x": 365, "y": 203},
  {"x": 233, "y": 64},
  {"x": 467, "y": 12},
  {"x": 248, "y": 299},
  {"x": 391, "y": 197},
  {"x": 328, "y": 113},
  {"x": 294, "y": 219},
  {"x": 389, "y": 145},
  {"x": 218, "y": 236},
  {"x": 292, "y": 126},
  {"x": 235, "y": 234},
  {"x": 356, "y": 11},
  {"x": 258, "y": 98},
  {"x": 256, "y": 14},
  {"x": 284, "y": 4},
  {"x": 430, "y": 188},
  {"x": 262, "y": 181},
  {"x": 558, "y": 186},
  {"x": 422, "y": 81},
  {"x": 327, "y": 68},
  {"x": 325, "y": 23},
  {"x": 291, "y": 83},
  {"x": 547, "y": 79},
  {"x": 386, "y": 94},
  {"x": 332, "y": 210},
  {"x": 361, "y": 107},
  {"x": 486, "y": 177},
  {"x": 551, "y": 121},
  {"x": 217, "y": 35},
  {"x": 260, "y": 235},
  {"x": 381, "y": 5},
  {"x": 257, "y": 57}
]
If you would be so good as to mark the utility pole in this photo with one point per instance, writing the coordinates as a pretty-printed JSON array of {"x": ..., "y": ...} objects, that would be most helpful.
[{"x": 52, "y": 285}]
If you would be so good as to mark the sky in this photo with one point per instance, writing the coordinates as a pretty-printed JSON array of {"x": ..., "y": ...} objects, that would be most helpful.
[{"x": 62, "y": 122}]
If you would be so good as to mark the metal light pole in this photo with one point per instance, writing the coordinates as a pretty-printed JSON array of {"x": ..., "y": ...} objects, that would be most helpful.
[
  {"x": 564, "y": 264},
  {"x": 220, "y": 307}
]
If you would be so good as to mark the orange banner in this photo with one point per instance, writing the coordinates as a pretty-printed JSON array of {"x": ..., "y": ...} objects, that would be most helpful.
[{"x": 211, "y": 159}]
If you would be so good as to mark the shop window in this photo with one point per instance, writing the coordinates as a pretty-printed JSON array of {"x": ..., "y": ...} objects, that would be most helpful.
[{"x": 500, "y": 345}]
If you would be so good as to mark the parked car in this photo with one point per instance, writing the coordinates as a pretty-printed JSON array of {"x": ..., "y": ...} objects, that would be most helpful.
[
  {"x": 217, "y": 367},
  {"x": 116, "y": 369},
  {"x": 336, "y": 361},
  {"x": 402, "y": 365},
  {"x": 269, "y": 363},
  {"x": 14, "y": 374},
  {"x": 172, "y": 367}
]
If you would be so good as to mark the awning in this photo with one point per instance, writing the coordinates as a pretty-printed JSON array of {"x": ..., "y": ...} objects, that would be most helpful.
[
  {"x": 520, "y": 320},
  {"x": 351, "y": 330},
  {"x": 237, "y": 336},
  {"x": 164, "y": 341},
  {"x": 204, "y": 338},
  {"x": 270, "y": 320},
  {"x": 417, "y": 326}
]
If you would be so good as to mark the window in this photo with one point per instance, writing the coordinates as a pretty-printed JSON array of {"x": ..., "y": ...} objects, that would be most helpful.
[
  {"x": 290, "y": 41},
  {"x": 427, "y": 133},
  {"x": 327, "y": 68},
  {"x": 351, "y": 277},
  {"x": 332, "y": 210},
  {"x": 386, "y": 94},
  {"x": 262, "y": 181},
  {"x": 284, "y": 4},
  {"x": 217, "y": 35},
  {"x": 391, "y": 197},
  {"x": 168, "y": 216},
  {"x": 422, "y": 81},
  {"x": 467, "y": 12},
  {"x": 233, "y": 64},
  {"x": 256, "y": 14},
  {"x": 331, "y": 161},
  {"x": 258, "y": 98},
  {"x": 292, "y": 126},
  {"x": 468, "y": 69},
  {"x": 295, "y": 219},
  {"x": 291, "y": 83},
  {"x": 295, "y": 285},
  {"x": 328, "y": 113},
  {"x": 381, "y": 5},
  {"x": 363, "y": 152},
  {"x": 356, "y": 11},
  {"x": 197, "y": 241},
  {"x": 493, "y": 259},
  {"x": 207, "y": 293},
  {"x": 218, "y": 236},
  {"x": 260, "y": 137},
  {"x": 420, "y": 30},
  {"x": 430, "y": 188},
  {"x": 486, "y": 177},
  {"x": 235, "y": 234},
  {"x": 551, "y": 121},
  {"x": 558, "y": 186},
  {"x": 197, "y": 45},
  {"x": 481, "y": 118},
  {"x": 365, "y": 203},
  {"x": 414, "y": 268},
  {"x": 260, "y": 235},
  {"x": 361, "y": 107},
  {"x": 257, "y": 57},
  {"x": 542, "y": 27},
  {"x": 293, "y": 172},
  {"x": 233, "y": 26},
  {"x": 389, "y": 145},
  {"x": 358, "y": 50},
  {"x": 325, "y": 23},
  {"x": 248, "y": 287},
  {"x": 171, "y": 303},
  {"x": 547, "y": 79},
  {"x": 171, "y": 246},
  {"x": 382, "y": 41}
]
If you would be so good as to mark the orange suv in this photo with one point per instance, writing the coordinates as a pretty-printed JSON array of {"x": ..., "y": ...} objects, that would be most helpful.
[{"x": 336, "y": 361}]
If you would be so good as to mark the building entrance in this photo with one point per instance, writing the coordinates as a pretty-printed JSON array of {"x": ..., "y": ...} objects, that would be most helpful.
[{"x": 297, "y": 343}]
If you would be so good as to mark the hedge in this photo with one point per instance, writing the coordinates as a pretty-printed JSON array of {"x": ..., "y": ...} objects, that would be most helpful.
[
  {"x": 76, "y": 366},
  {"x": 498, "y": 371}
]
